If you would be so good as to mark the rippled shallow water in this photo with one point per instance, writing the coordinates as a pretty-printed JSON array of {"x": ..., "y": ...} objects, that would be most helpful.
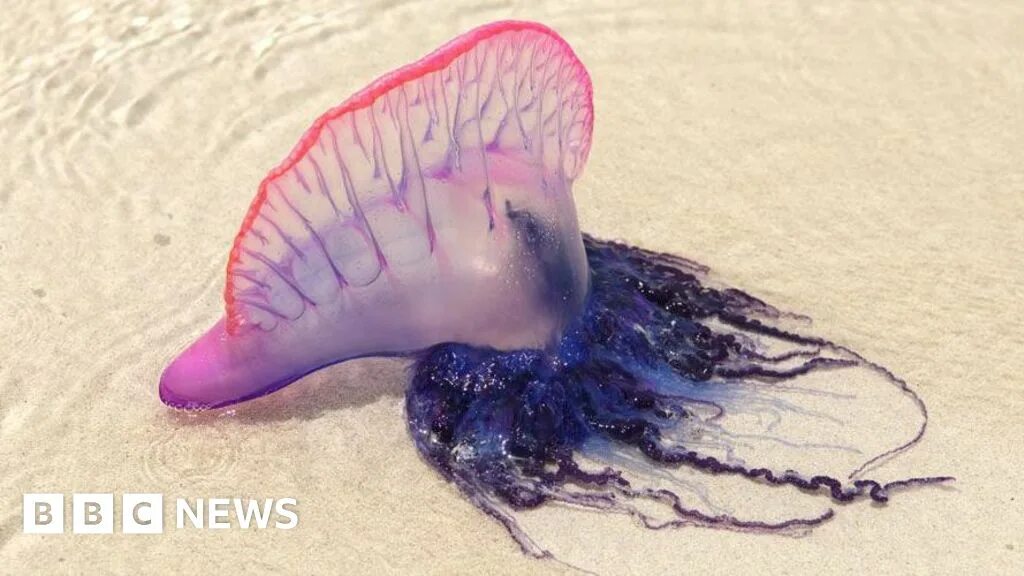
[{"x": 135, "y": 134}]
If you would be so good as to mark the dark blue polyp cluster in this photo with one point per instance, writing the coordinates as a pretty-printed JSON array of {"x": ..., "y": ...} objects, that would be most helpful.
[{"x": 508, "y": 428}]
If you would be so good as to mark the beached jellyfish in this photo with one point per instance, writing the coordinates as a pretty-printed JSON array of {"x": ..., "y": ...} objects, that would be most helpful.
[{"x": 431, "y": 215}]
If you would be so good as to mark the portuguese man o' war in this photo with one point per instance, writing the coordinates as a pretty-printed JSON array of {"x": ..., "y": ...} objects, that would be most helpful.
[{"x": 431, "y": 215}]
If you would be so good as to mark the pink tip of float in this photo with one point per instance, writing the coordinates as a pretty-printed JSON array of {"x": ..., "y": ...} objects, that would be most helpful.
[
  {"x": 442, "y": 186},
  {"x": 217, "y": 370}
]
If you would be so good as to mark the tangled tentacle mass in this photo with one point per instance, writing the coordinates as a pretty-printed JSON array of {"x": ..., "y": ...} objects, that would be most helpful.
[{"x": 664, "y": 384}]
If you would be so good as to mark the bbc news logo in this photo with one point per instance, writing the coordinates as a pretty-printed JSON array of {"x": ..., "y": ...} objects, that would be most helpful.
[{"x": 144, "y": 513}]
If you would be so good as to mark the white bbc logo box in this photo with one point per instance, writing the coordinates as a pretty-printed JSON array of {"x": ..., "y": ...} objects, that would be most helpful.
[{"x": 93, "y": 513}]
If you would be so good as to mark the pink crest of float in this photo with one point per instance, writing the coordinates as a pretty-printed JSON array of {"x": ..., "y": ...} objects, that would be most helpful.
[{"x": 512, "y": 36}]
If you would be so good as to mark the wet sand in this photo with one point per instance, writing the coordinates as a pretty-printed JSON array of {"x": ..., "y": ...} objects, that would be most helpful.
[{"x": 861, "y": 163}]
